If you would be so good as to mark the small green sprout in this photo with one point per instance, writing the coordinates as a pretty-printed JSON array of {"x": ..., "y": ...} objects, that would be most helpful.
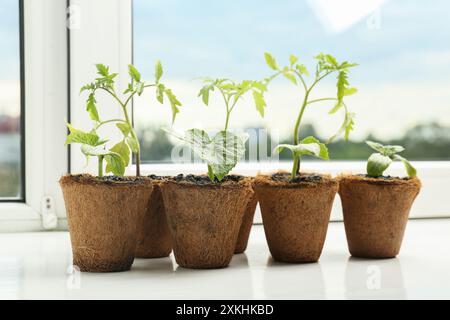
[
  {"x": 223, "y": 151},
  {"x": 380, "y": 161},
  {"x": 296, "y": 73},
  {"x": 117, "y": 157}
]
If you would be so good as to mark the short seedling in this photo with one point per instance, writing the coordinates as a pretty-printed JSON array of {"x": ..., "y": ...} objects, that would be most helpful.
[
  {"x": 117, "y": 157},
  {"x": 378, "y": 162},
  {"x": 223, "y": 151},
  {"x": 296, "y": 73}
]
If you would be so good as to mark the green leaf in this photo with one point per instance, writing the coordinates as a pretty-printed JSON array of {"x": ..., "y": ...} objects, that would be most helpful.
[
  {"x": 290, "y": 77},
  {"x": 336, "y": 108},
  {"x": 160, "y": 89},
  {"x": 115, "y": 164},
  {"x": 158, "y": 71},
  {"x": 91, "y": 108},
  {"x": 133, "y": 143},
  {"x": 271, "y": 62},
  {"x": 88, "y": 150},
  {"x": 204, "y": 93},
  {"x": 260, "y": 103},
  {"x": 410, "y": 170},
  {"x": 377, "y": 164},
  {"x": 123, "y": 150},
  {"x": 102, "y": 70},
  {"x": 331, "y": 60},
  {"x": 308, "y": 146},
  {"x": 342, "y": 84},
  {"x": 174, "y": 103},
  {"x": 346, "y": 127},
  {"x": 388, "y": 150},
  {"x": 125, "y": 128},
  {"x": 88, "y": 87},
  {"x": 350, "y": 91},
  {"x": 134, "y": 73},
  {"x": 302, "y": 69},
  {"x": 78, "y": 136},
  {"x": 293, "y": 60}
]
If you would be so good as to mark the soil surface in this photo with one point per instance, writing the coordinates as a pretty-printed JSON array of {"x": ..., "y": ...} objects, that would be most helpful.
[
  {"x": 204, "y": 180},
  {"x": 304, "y": 177},
  {"x": 384, "y": 177},
  {"x": 89, "y": 179}
]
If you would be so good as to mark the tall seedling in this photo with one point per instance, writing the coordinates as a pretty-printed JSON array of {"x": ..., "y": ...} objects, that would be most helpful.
[{"x": 117, "y": 157}]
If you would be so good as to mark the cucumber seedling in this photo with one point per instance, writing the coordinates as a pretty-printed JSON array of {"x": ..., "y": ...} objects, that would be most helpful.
[
  {"x": 223, "y": 151},
  {"x": 381, "y": 160},
  {"x": 297, "y": 74},
  {"x": 118, "y": 157}
]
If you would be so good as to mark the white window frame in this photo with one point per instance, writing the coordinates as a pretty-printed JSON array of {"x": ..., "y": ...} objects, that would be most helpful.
[{"x": 45, "y": 59}]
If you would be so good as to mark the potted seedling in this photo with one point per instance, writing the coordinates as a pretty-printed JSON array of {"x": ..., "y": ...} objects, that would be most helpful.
[
  {"x": 296, "y": 206},
  {"x": 205, "y": 212},
  {"x": 105, "y": 212},
  {"x": 376, "y": 207}
]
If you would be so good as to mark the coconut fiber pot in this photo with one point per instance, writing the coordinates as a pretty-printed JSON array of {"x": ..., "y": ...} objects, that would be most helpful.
[
  {"x": 103, "y": 216},
  {"x": 375, "y": 213},
  {"x": 204, "y": 218},
  {"x": 295, "y": 214},
  {"x": 154, "y": 235},
  {"x": 246, "y": 226}
]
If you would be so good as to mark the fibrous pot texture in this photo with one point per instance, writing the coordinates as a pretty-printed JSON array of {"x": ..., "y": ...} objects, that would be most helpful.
[
  {"x": 154, "y": 235},
  {"x": 376, "y": 212},
  {"x": 295, "y": 214},
  {"x": 246, "y": 226},
  {"x": 204, "y": 218},
  {"x": 103, "y": 216}
]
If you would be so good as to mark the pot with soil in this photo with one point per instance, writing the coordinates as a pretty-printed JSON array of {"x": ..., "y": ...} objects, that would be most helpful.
[
  {"x": 376, "y": 207},
  {"x": 104, "y": 215},
  {"x": 295, "y": 214},
  {"x": 246, "y": 226},
  {"x": 154, "y": 236},
  {"x": 204, "y": 218}
]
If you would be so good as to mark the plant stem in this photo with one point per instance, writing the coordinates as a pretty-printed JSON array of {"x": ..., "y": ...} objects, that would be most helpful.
[
  {"x": 100, "y": 166},
  {"x": 296, "y": 166}
]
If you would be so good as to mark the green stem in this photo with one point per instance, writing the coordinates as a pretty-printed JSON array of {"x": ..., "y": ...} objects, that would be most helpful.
[
  {"x": 296, "y": 166},
  {"x": 100, "y": 165},
  {"x": 109, "y": 121}
]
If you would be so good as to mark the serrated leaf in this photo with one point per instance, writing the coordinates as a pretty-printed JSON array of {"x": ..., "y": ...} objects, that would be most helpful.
[
  {"x": 350, "y": 91},
  {"x": 91, "y": 108},
  {"x": 260, "y": 103},
  {"x": 158, "y": 71},
  {"x": 134, "y": 73},
  {"x": 204, "y": 93},
  {"x": 385, "y": 150},
  {"x": 331, "y": 60},
  {"x": 174, "y": 103},
  {"x": 88, "y": 87},
  {"x": 302, "y": 69},
  {"x": 410, "y": 170},
  {"x": 271, "y": 62},
  {"x": 81, "y": 137},
  {"x": 308, "y": 146},
  {"x": 102, "y": 70},
  {"x": 293, "y": 60},
  {"x": 115, "y": 164},
  {"x": 290, "y": 77},
  {"x": 133, "y": 143},
  {"x": 160, "y": 89},
  {"x": 377, "y": 164},
  {"x": 125, "y": 128},
  {"x": 123, "y": 150}
]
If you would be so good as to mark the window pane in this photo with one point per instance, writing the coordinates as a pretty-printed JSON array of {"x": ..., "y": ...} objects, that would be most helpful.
[
  {"x": 10, "y": 101},
  {"x": 401, "y": 46}
]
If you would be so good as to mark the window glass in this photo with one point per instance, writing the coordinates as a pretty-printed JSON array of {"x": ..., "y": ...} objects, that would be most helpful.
[
  {"x": 10, "y": 101},
  {"x": 401, "y": 45}
]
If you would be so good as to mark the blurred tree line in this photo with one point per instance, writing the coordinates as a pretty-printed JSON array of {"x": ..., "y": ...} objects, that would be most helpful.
[{"x": 430, "y": 141}]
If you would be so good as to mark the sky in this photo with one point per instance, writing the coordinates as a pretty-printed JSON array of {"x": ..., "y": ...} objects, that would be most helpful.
[{"x": 402, "y": 48}]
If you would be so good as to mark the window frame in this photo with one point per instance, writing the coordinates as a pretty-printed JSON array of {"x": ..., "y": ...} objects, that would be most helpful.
[{"x": 43, "y": 92}]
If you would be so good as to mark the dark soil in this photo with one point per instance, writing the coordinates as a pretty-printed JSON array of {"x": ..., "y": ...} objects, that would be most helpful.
[
  {"x": 204, "y": 180},
  {"x": 85, "y": 178},
  {"x": 158, "y": 178},
  {"x": 286, "y": 177},
  {"x": 384, "y": 177}
]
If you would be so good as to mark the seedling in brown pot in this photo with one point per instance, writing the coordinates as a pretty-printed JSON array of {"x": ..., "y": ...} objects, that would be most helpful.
[
  {"x": 118, "y": 156},
  {"x": 297, "y": 74},
  {"x": 380, "y": 161}
]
